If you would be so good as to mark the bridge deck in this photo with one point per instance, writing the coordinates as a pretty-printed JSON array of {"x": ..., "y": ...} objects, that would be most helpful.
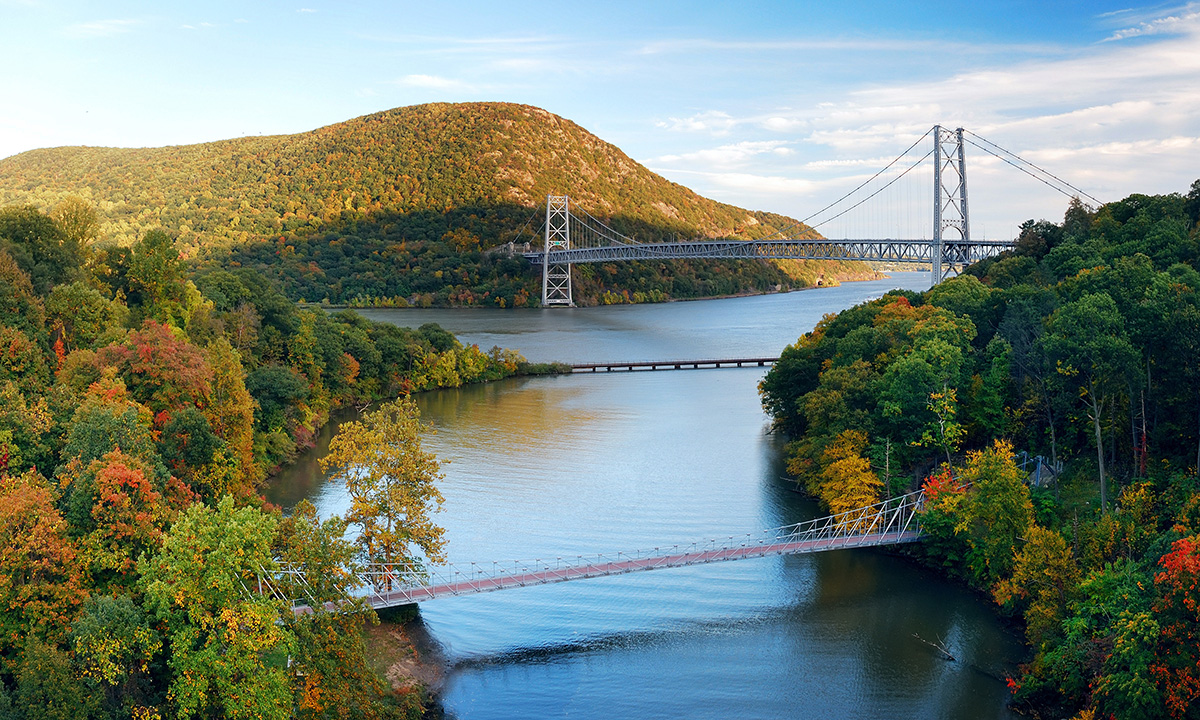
[
  {"x": 552, "y": 572},
  {"x": 671, "y": 364}
]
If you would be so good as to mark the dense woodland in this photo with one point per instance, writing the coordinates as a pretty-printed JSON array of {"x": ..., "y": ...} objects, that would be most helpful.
[
  {"x": 415, "y": 205},
  {"x": 1082, "y": 345},
  {"x": 140, "y": 409}
]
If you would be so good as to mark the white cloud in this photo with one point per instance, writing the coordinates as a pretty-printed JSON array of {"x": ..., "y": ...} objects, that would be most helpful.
[
  {"x": 713, "y": 121},
  {"x": 101, "y": 28},
  {"x": 728, "y": 156},
  {"x": 1178, "y": 22},
  {"x": 306, "y": 10}
]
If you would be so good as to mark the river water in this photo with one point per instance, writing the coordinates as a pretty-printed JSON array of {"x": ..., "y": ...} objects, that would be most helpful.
[{"x": 567, "y": 466}]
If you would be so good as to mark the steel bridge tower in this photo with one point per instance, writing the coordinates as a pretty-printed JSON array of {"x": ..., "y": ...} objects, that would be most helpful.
[
  {"x": 949, "y": 200},
  {"x": 556, "y": 277}
]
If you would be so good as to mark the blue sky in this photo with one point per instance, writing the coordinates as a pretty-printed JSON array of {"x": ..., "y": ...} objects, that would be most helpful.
[{"x": 777, "y": 106}]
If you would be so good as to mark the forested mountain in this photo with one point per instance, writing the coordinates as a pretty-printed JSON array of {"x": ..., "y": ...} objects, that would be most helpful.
[
  {"x": 402, "y": 205},
  {"x": 1081, "y": 345}
]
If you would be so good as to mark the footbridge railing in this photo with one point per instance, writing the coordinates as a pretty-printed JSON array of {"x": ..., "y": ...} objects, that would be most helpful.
[{"x": 890, "y": 522}]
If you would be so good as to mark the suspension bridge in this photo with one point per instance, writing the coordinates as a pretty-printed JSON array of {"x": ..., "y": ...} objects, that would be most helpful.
[
  {"x": 572, "y": 237},
  {"x": 384, "y": 585}
]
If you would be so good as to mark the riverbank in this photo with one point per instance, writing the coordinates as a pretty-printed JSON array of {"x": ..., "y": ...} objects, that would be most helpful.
[
  {"x": 410, "y": 660},
  {"x": 821, "y": 282}
]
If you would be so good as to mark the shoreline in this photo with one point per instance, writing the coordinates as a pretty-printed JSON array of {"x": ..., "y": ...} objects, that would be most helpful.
[{"x": 878, "y": 275}]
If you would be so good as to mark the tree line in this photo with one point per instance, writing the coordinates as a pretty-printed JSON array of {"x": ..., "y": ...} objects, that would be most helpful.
[{"x": 1080, "y": 346}]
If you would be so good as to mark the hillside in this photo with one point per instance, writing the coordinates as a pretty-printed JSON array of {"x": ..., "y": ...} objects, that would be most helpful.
[{"x": 413, "y": 188}]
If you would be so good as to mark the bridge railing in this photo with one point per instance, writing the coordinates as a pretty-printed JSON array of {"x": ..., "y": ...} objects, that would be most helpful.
[{"x": 384, "y": 584}]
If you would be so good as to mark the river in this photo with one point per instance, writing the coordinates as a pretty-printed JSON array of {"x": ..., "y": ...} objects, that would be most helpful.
[{"x": 570, "y": 465}]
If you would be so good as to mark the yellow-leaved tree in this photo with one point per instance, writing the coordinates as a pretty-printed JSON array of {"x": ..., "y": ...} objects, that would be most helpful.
[
  {"x": 847, "y": 481},
  {"x": 391, "y": 482}
]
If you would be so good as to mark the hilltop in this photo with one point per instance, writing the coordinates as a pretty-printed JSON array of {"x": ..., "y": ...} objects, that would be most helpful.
[{"x": 428, "y": 189}]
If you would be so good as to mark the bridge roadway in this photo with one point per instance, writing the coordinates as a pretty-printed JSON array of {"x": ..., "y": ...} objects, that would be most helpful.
[
  {"x": 671, "y": 364},
  {"x": 890, "y": 522},
  {"x": 954, "y": 252},
  {"x": 558, "y": 571}
]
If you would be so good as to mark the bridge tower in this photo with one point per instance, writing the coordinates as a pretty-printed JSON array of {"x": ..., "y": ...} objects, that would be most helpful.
[
  {"x": 949, "y": 201},
  {"x": 556, "y": 277}
]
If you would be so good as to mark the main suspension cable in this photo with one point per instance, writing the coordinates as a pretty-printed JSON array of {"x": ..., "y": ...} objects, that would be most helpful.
[
  {"x": 1033, "y": 165},
  {"x": 866, "y": 182}
]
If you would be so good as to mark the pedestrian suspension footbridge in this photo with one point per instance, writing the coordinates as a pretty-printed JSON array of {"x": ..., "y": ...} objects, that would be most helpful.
[
  {"x": 383, "y": 585},
  {"x": 571, "y": 236}
]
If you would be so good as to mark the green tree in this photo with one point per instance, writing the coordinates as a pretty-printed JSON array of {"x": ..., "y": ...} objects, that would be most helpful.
[
  {"x": 39, "y": 246},
  {"x": 155, "y": 279},
  {"x": 116, "y": 648},
  {"x": 1088, "y": 343},
  {"x": 48, "y": 687},
  {"x": 997, "y": 513},
  {"x": 227, "y": 647},
  {"x": 81, "y": 315},
  {"x": 392, "y": 484}
]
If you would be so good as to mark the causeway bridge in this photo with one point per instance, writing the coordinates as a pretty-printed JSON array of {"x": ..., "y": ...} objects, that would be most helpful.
[{"x": 890, "y": 522}]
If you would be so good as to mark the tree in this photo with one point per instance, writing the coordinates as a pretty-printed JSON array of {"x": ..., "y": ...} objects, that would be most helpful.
[
  {"x": 332, "y": 676},
  {"x": 20, "y": 306},
  {"x": 1177, "y": 663},
  {"x": 81, "y": 315},
  {"x": 156, "y": 280},
  {"x": 48, "y": 687},
  {"x": 1045, "y": 580},
  {"x": 39, "y": 246},
  {"x": 128, "y": 517},
  {"x": 41, "y": 583},
  {"x": 997, "y": 512},
  {"x": 391, "y": 482},
  {"x": 161, "y": 369},
  {"x": 1088, "y": 343},
  {"x": 115, "y": 647},
  {"x": 227, "y": 647},
  {"x": 847, "y": 482},
  {"x": 77, "y": 221}
]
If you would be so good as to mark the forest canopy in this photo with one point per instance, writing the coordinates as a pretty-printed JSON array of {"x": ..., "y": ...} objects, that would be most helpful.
[{"x": 1048, "y": 402}]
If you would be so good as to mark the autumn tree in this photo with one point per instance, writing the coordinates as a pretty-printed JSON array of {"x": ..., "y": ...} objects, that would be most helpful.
[
  {"x": 847, "y": 481},
  {"x": 1177, "y": 663},
  {"x": 128, "y": 517},
  {"x": 391, "y": 482},
  {"x": 997, "y": 512},
  {"x": 1044, "y": 582},
  {"x": 161, "y": 369},
  {"x": 227, "y": 646},
  {"x": 41, "y": 582}
]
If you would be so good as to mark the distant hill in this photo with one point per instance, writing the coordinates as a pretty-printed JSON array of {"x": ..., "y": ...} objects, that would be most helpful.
[{"x": 380, "y": 208}]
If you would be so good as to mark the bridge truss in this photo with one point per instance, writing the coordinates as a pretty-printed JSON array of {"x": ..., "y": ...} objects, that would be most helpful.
[
  {"x": 891, "y": 522},
  {"x": 571, "y": 238}
]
